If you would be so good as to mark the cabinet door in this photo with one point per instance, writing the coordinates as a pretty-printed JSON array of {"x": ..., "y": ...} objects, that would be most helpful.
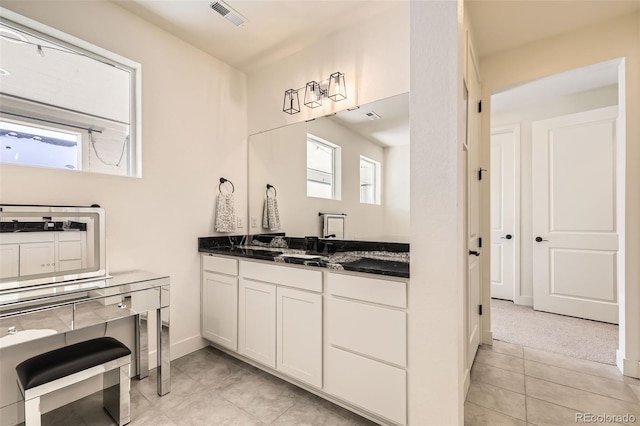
[
  {"x": 37, "y": 258},
  {"x": 220, "y": 309},
  {"x": 9, "y": 260},
  {"x": 257, "y": 321},
  {"x": 69, "y": 255},
  {"x": 299, "y": 335}
]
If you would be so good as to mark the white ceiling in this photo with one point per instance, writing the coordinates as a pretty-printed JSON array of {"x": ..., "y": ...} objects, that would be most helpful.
[
  {"x": 504, "y": 24},
  {"x": 575, "y": 81},
  {"x": 275, "y": 29},
  {"x": 391, "y": 128},
  {"x": 279, "y": 28}
]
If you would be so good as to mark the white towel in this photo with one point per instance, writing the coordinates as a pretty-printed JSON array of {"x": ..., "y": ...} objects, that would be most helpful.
[
  {"x": 225, "y": 214},
  {"x": 270, "y": 215}
]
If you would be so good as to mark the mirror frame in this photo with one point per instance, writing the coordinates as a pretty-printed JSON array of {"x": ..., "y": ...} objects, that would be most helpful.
[{"x": 97, "y": 271}]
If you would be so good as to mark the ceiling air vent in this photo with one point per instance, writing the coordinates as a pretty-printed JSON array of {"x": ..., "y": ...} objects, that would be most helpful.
[
  {"x": 371, "y": 115},
  {"x": 228, "y": 13}
]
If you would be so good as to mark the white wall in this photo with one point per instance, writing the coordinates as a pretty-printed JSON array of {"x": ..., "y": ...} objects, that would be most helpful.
[
  {"x": 612, "y": 39},
  {"x": 436, "y": 293},
  {"x": 194, "y": 131},
  {"x": 524, "y": 116},
  {"x": 278, "y": 157},
  {"x": 396, "y": 193},
  {"x": 374, "y": 56}
]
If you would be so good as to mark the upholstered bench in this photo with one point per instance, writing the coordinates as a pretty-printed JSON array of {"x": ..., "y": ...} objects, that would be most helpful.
[{"x": 71, "y": 364}]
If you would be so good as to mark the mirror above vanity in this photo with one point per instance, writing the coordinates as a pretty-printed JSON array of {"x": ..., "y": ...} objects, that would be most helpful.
[
  {"x": 354, "y": 163},
  {"x": 49, "y": 244}
]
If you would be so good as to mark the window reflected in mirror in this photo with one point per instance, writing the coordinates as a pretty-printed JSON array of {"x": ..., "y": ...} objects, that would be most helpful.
[
  {"x": 63, "y": 104},
  {"x": 369, "y": 181},
  {"x": 322, "y": 174}
]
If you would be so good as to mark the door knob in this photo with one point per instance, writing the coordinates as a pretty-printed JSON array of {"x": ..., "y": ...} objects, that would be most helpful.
[
  {"x": 507, "y": 237},
  {"x": 539, "y": 239},
  {"x": 475, "y": 253}
]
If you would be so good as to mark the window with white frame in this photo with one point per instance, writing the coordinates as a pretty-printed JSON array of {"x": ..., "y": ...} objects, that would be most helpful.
[
  {"x": 323, "y": 171},
  {"x": 369, "y": 181},
  {"x": 66, "y": 103}
]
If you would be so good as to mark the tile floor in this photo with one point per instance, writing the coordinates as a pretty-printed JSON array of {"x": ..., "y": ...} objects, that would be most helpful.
[
  {"x": 510, "y": 385},
  {"x": 211, "y": 388},
  {"x": 515, "y": 385}
]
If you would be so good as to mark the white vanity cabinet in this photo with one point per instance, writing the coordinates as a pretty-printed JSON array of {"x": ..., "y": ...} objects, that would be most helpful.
[
  {"x": 34, "y": 253},
  {"x": 280, "y": 322},
  {"x": 220, "y": 301},
  {"x": 366, "y": 343},
  {"x": 342, "y": 335},
  {"x": 9, "y": 260}
]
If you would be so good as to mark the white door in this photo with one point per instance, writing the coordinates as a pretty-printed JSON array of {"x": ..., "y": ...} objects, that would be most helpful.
[
  {"x": 299, "y": 335},
  {"x": 504, "y": 215},
  {"x": 220, "y": 309},
  {"x": 472, "y": 198},
  {"x": 257, "y": 321},
  {"x": 575, "y": 216}
]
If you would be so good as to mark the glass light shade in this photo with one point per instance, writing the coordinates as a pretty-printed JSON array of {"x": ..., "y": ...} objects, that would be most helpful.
[
  {"x": 313, "y": 95},
  {"x": 291, "y": 102},
  {"x": 337, "y": 89}
]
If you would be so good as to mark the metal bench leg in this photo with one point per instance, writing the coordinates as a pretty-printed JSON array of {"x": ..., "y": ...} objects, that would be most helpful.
[
  {"x": 32, "y": 413},
  {"x": 116, "y": 394}
]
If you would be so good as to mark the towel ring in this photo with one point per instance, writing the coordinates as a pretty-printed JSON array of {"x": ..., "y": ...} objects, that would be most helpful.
[
  {"x": 223, "y": 180},
  {"x": 275, "y": 192}
]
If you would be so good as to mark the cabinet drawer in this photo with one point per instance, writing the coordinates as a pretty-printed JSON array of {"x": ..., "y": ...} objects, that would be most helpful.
[
  {"x": 372, "y": 385},
  {"x": 285, "y": 275},
  {"x": 221, "y": 265},
  {"x": 69, "y": 250},
  {"x": 373, "y": 331},
  {"x": 71, "y": 236},
  {"x": 385, "y": 292}
]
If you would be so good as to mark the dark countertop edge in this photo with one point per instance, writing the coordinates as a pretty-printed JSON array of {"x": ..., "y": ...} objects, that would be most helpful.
[{"x": 349, "y": 268}]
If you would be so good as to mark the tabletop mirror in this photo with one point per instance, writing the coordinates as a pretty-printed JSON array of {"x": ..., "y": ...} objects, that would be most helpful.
[{"x": 50, "y": 244}]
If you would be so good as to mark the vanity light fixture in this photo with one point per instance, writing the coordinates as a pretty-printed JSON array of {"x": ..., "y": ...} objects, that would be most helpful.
[
  {"x": 333, "y": 88},
  {"x": 291, "y": 102}
]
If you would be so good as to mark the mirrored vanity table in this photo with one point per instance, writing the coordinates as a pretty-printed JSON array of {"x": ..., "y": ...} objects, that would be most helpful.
[
  {"x": 34, "y": 312},
  {"x": 54, "y": 280}
]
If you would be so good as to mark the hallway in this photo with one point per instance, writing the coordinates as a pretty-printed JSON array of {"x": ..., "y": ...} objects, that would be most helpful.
[{"x": 516, "y": 385}]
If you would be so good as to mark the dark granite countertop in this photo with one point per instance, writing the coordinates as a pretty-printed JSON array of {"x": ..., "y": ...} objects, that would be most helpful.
[
  {"x": 380, "y": 258},
  {"x": 49, "y": 226}
]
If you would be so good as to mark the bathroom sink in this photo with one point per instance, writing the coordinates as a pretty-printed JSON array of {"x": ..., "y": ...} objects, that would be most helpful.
[
  {"x": 25, "y": 336},
  {"x": 302, "y": 256}
]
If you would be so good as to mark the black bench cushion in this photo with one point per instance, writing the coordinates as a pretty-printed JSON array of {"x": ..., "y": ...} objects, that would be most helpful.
[{"x": 50, "y": 366}]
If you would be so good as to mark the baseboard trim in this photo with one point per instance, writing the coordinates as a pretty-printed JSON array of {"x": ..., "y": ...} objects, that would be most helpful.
[
  {"x": 487, "y": 337},
  {"x": 179, "y": 349},
  {"x": 628, "y": 367}
]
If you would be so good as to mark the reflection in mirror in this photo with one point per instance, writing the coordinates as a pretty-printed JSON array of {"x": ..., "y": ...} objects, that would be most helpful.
[
  {"x": 47, "y": 244},
  {"x": 65, "y": 103},
  {"x": 375, "y": 136}
]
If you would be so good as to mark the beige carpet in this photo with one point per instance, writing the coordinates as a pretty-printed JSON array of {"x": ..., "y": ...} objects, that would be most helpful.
[{"x": 579, "y": 338}]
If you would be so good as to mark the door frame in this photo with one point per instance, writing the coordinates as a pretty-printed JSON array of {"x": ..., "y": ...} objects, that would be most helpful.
[
  {"x": 515, "y": 129},
  {"x": 628, "y": 340}
]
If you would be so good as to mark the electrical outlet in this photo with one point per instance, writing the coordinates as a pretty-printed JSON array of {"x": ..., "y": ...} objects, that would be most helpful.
[
  {"x": 240, "y": 224},
  {"x": 254, "y": 222}
]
